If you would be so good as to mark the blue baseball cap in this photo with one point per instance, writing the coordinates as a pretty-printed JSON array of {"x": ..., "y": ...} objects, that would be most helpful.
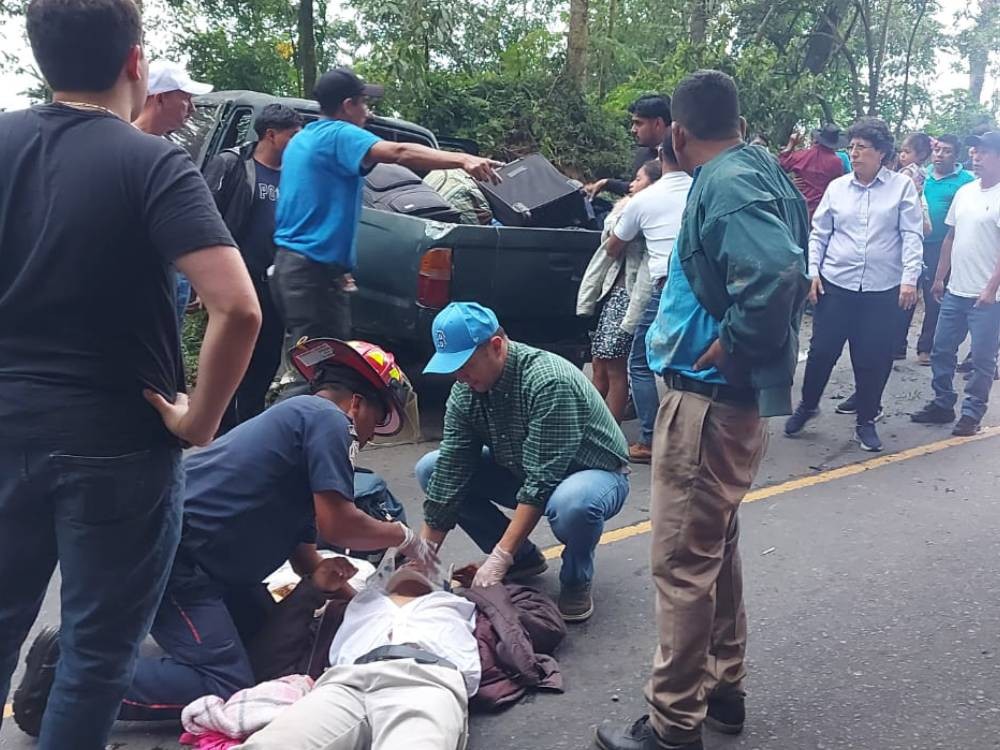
[{"x": 458, "y": 331}]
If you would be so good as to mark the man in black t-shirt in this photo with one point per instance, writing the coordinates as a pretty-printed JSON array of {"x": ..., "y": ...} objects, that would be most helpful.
[
  {"x": 244, "y": 182},
  {"x": 93, "y": 212},
  {"x": 650, "y": 115}
]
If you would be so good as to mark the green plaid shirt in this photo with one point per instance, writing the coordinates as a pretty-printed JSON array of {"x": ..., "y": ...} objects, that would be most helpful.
[{"x": 542, "y": 421}]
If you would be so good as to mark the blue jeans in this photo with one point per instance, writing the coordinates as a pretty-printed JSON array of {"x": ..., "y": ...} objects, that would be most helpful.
[
  {"x": 641, "y": 378},
  {"x": 576, "y": 511},
  {"x": 182, "y": 295},
  {"x": 958, "y": 317},
  {"x": 113, "y": 524}
]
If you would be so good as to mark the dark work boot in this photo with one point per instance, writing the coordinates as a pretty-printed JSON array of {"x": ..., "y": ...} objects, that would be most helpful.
[
  {"x": 966, "y": 427},
  {"x": 726, "y": 713},
  {"x": 933, "y": 414},
  {"x": 532, "y": 565},
  {"x": 32, "y": 695},
  {"x": 638, "y": 736}
]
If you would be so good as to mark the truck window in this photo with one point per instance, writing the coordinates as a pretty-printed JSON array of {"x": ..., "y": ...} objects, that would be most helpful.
[
  {"x": 198, "y": 127},
  {"x": 237, "y": 129}
]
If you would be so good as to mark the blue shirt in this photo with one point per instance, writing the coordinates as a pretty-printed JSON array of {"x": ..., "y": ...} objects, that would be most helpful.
[
  {"x": 939, "y": 193},
  {"x": 320, "y": 200},
  {"x": 683, "y": 329},
  {"x": 868, "y": 238},
  {"x": 248, "y": 501}
]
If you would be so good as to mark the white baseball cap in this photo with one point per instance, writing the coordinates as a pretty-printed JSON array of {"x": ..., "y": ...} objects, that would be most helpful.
[{"x": 167, "y": 76}]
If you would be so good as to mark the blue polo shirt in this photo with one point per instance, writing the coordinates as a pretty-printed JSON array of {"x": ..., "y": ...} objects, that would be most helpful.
[
  {"x": 683, "y": 329},
  {"x": 939, "y": 193},
  {"x": 320, "y": 198},
  {"x": 248, "y": 500}
]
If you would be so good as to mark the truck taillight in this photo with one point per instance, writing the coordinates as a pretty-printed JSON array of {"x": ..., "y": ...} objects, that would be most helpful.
[{"x": 434, "y": 278}]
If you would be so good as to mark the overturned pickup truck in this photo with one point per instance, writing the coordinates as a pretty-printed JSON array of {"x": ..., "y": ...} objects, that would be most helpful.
[{"x": 409, "y": 268}]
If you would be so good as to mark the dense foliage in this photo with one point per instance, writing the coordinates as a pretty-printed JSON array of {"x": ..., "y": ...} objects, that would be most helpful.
[{"x": 502, "y": 73}]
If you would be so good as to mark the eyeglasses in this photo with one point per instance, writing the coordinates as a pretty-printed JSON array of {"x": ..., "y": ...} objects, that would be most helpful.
[{"x": 858, "y": 147}]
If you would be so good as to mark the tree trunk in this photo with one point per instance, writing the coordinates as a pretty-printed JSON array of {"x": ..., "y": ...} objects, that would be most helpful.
[
  {"x": 307, "y": 46},
  {"x": 820, "y": 46},
  {"x": 577, "y": 42},
  {"x": 980, "y": 45},
  {"x": 906, "y": 78},
  {"x": 698, "y": 23},
  {"x": 602, "y": 78}
]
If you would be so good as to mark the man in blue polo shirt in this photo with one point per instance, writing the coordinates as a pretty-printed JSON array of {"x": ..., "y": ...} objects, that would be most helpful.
[
  {"x": 320, "y": 203},
  {"x": 944, "y": 177}
]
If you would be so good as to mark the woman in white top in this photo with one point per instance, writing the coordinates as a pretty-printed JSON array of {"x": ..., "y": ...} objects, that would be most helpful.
[
  {"x": 609, "y": 279},
  {"x": 865, "y": 257}
]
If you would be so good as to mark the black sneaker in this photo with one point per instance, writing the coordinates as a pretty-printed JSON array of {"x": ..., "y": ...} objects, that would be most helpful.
[
  {"x": 801, "y": 415},
  {"x": 849, "y": 405},
  {"x": 868, "y": 437},
  {"x": 531, "y": 566},
  {"x": 933, "y": 414},
  {"x": 32, "y": 695},
  {"x": 726, "y": 713},
  {"x": 966, "y": 427},
  {"x": 638, "y": 736},
  {"x": 965, "y": 365}
]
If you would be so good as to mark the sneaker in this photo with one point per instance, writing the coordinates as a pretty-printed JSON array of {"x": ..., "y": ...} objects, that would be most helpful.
[
  {"x": 966, "y": 427},
  {"x": 965, "y": 365},
  {"x": 529, "y": 567},
  {"x": 924, "y": 358},
  {"x": 801, "y": 415},
  {"x": 576, "y": 604},
  {"x": 933, "y": 414},
  {"x": 726, "y": 713},
  {"x": 638, "y": 736},
  {"x": 32, "y": 695},
  {"x": 640, "y": 454},
  {"x": 868, "y": 437},
  {"x": 849, "y": 405}
]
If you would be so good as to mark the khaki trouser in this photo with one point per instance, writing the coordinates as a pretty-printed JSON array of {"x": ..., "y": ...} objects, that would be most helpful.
[
  {"x": 385, "y": 705},
  {"x": 705, "y": 456}
]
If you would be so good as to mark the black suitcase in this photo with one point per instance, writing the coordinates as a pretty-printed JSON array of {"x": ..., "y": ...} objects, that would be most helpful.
[
  {"x": 533, "y": 193},
  {"x": 390, "y": 187}
]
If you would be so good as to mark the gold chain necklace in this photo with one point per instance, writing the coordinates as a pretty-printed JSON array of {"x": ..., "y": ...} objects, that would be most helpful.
[{"x": 92, "y": 107}]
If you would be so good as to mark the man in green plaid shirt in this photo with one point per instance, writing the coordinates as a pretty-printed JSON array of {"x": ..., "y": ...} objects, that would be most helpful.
[{"x": 523, "y": 429}]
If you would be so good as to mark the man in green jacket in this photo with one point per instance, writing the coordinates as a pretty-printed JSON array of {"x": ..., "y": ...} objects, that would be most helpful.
[{"x": 726, "y": 343}]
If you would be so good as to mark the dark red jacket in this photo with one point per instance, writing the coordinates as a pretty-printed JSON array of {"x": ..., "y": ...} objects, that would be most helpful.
[{"x": 518, "y": 629}]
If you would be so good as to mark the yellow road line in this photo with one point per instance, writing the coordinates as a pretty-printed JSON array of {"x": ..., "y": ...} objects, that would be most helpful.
[{"x": 643, "y": 527}]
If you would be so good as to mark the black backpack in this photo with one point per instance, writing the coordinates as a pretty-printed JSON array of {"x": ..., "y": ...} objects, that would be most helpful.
[{"x": 393, "y": 188}]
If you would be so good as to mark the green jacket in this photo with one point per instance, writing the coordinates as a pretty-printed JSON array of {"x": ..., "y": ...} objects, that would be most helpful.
[{"x": 743, "y": 247}]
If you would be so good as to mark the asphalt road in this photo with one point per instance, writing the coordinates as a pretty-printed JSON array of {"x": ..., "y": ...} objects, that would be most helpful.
[{"x": 871, "y": 593}]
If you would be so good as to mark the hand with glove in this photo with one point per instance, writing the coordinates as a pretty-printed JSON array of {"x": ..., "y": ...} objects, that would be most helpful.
[
  {"x": 494, "y": 568},
  {"x": 419, "y": 551}
]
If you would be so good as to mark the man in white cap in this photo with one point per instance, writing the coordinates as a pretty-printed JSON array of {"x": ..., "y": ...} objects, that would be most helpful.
[
  {"x": 168, "y": 105},
  {"x": 168, "y": 98}
]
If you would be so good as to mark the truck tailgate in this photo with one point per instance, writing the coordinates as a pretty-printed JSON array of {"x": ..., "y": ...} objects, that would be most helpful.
[{"x": 534, "y": 281}]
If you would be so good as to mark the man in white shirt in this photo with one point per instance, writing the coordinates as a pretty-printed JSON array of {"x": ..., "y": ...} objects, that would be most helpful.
[
  {"x": 656, "y": 214},
  {"x": 971, "y": 253},
  {"x": 404, "y": 662}
]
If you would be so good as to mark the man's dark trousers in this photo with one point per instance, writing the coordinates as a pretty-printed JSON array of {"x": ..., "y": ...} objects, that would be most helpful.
[
  {"x": 310, "y": 298},
  {"x": 925, "y": 344},
  {"x": 868, "y": 322},
  {"x": 112, "y": 521},
  {"x": 248, "y": 401},
  {"x": 205, "y": 654},
  {"x": 961, "y": 316}
]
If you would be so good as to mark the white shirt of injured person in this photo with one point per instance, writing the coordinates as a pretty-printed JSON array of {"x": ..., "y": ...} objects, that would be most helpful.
[{"x": 406, "y": 609}]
